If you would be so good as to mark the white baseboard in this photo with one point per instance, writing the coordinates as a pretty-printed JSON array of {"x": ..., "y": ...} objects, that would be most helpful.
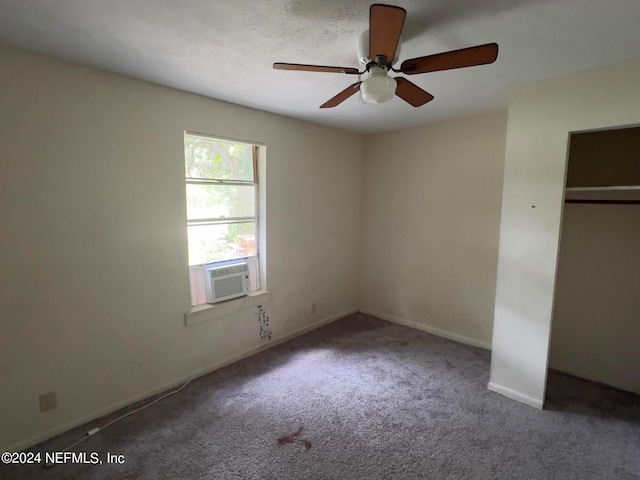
[
  {"x": 24, "y": 444},
  {"x": 429, "y": 329},
  {"x": 513, "y": 395}
]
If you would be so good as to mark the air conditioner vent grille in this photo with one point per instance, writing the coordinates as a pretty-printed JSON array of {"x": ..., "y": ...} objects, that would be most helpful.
[
  {"x": 230, "y": 270},
  {"x": 225, "y": 287}
]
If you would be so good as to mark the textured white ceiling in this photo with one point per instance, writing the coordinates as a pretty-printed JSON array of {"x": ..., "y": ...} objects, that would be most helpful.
[{"x": 225, "y": 49}]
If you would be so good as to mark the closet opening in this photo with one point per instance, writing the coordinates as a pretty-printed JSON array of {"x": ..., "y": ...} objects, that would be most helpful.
[{"x": 595, "y": 330}]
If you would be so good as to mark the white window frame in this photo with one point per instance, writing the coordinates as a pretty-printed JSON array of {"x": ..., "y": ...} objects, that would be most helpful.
[{"x": 257, "y": 261}]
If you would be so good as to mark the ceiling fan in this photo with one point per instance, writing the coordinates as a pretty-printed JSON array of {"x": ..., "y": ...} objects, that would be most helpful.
[{"x": 378, "y": 50}]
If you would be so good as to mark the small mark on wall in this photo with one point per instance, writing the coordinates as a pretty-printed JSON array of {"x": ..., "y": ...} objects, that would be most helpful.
[{"x": 263, "y": 322}]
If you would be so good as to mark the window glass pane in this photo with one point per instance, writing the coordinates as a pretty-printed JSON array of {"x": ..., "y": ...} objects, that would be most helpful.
[
  {"x": 211, "y": 158},
  {"x": 214, "y": 243},
  {"x": 220, "y": 201}
]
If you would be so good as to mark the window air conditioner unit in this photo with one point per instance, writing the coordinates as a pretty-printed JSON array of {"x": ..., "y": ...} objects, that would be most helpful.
[{"x": 227, "y": 281}]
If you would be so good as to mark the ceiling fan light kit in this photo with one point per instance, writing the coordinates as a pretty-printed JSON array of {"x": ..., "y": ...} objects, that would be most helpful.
[
  {"x": 379, "y": 87},
  {"x": 378, "y": 49}
]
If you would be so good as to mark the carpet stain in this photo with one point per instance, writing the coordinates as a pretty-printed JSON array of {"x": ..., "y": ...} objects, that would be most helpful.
[{"x": 293, "y": 438}]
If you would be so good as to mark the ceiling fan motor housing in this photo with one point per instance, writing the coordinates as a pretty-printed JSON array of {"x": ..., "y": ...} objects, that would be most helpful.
[{"x": 362, "y": 49}]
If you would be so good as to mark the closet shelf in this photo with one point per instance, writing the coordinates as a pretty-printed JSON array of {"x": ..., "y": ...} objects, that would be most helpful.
[
  {"x": 609, "y": 188},
  {"x": 604, "y": 195},
  {"x": 602, "y": 201}
]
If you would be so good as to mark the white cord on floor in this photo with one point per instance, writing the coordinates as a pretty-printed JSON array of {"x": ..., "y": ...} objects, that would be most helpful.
[{"x": 93, "y": 431}]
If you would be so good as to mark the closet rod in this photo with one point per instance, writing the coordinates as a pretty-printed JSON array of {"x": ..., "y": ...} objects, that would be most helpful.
[{"x": 604, "y": 202}]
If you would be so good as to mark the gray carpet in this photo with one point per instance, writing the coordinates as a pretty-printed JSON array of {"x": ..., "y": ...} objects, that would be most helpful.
[{"x": 362, "y": 398}]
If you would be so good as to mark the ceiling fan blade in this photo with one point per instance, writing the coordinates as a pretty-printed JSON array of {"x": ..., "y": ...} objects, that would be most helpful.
[
  {"x": 411, "y": 93},
  {"x": 314, "y": 68},
  {"x": 342, "y": 96},
  {"x": 465, "y": 57},
  {"x": 385, "y": 27}
]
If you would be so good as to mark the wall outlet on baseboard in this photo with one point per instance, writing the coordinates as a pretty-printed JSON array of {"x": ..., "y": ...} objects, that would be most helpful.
[
  {"x": 314, "y": 307},
  {"x": 48, "y": 401}
]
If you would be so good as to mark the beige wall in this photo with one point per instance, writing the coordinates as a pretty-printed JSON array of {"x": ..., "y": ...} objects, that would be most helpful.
[
  {"x": 93, "y": 257},
  {"x": 541, "y": 116},
  {"x": 430, "y": 226}
]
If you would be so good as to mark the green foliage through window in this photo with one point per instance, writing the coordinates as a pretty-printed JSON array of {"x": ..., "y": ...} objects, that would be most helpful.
[
  {"x": 221, "y": 192},
  {"x": 209, "y": 158}
]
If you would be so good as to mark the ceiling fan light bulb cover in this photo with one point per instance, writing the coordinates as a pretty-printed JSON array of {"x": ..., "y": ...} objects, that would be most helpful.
[{"x": 378, "y": 89}]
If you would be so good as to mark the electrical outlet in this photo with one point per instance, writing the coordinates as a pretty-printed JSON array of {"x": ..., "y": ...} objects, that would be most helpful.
[
  {"x": 48, "y": 401},
  {"x": 313, "y": 308}
]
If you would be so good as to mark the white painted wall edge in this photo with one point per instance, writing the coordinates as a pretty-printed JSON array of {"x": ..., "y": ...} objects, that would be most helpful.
[
  {"x": 17, "y": 447},
  {"x": 429, "y": 329},
  {"x": 513, "y": 395}
]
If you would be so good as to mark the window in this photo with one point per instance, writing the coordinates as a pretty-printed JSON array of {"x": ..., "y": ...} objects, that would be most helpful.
[{"x": 222, "y": 207}]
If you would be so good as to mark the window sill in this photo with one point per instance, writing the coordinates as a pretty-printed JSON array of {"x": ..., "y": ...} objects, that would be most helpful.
[{"x": 204, "y": 313}]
